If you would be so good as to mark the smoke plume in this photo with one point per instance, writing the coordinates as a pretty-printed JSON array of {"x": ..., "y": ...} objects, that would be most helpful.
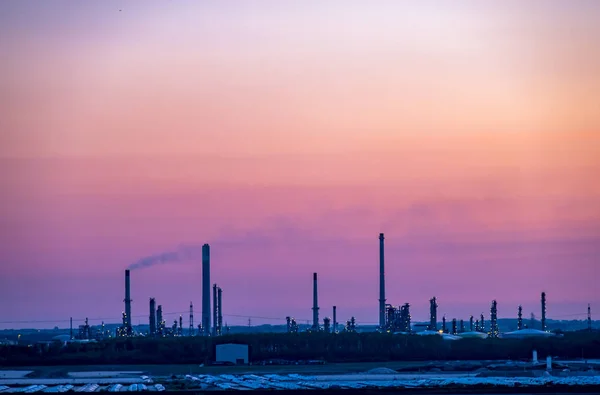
[{"x": 183, "y": 253}]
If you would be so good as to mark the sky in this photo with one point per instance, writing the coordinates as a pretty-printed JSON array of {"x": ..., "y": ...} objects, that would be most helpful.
[{"x": 288, "y": 135}]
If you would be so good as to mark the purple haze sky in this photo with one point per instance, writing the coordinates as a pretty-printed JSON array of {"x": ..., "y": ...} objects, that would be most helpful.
[{"x": 288, "y": 134}]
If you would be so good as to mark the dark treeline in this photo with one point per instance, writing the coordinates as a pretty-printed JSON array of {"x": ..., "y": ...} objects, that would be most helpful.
[{"x": 343, "y": 347}]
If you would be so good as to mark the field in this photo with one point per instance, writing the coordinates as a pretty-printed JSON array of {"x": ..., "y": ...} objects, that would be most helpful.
[{"x": 167, "y": 370}]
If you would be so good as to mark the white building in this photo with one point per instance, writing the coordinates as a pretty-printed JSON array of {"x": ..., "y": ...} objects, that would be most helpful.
[{"x": 234, "y": 353}]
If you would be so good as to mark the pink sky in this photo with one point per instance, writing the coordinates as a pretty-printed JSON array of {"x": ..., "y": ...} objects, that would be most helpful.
[{"x": 288, "y": 134}]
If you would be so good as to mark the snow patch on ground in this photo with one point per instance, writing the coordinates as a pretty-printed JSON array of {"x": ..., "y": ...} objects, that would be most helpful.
[
  {"x": 13, "y": 374},
  {"x": 102, "y": 374},
  {"x": 382, "y": 371}
]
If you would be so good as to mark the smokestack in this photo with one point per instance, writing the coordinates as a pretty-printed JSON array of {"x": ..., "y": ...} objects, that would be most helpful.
[
  {"x": 215, "y": 307},
  {"x": 206, "y": 289},
  {"x": 159, "y": 319},
  {"x": 381, "y": 284},
  {"x": 471, "y": 327},
  {"x": 220, "y": 310},
  {"x": 315, "y": 308},
  {"x": 334, "y": 319},
  {"x": 72, "y": 325},
  {"x": 589, "y": 318},
  {"x": 127, "y": 303},
  {"x": 544, "y": 311},
  {"x": 152, "y": 317}
]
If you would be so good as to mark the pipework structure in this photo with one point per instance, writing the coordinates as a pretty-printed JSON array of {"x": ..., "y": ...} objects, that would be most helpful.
[
  {"x": 494, "y": 319},
  {"x": 191, "y": 330},
  {"x": 219, "y": 311},
  {"x": 315, "y": 308},
  {"x": 206, "y": 289},
  {"x": 381, "y": 283},
  {"x": 433, "y": 314},
  {"x": 160, "y": 321},
  {"x": 520, "y": 319}
]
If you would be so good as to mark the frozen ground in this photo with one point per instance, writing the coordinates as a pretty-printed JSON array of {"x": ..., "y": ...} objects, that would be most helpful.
[
  {"x": 249, "y": 382},
  {"x": 102, "y": 374},
  {"x": 13, "y": 374}
]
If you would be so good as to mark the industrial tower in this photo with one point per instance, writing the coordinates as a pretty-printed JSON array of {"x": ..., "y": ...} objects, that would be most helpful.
[
  {"x": 206, "y": 289},
  {"x": 433, "y": 314},
  {"x": 494, "y": 319},
  {"x": 127, "y": 317},
  {"x": 381, "y": 284},
  {"x": 315, "y": 308},
  {"x": 520, "y": 319},
  {"x": 191, "y": 319},
  {"x": 544, "y": 311},
  {"x": 152, "y": 317}
]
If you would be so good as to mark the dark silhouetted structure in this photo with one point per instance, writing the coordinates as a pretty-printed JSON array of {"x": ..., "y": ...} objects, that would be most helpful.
[
  {"x": 520, "y": 319},
  {"x": 334, "y": 319},
  {"x": 327, "y": 325},
  {"x": 381, "y": 284},
  {"x": 152, "y": 317},
  {"x": 215, "y": 307},
  {"x": 433, "y": 314},
  {"x": 315, "y": 309},
  {"x": 219, "y": 311},
  {"x": 544, "y": 311},
  {"x": 471, "y": 327},
  {"x": 160, "y": 321},
  {"x": 191, "y": 320},
  {"x": 494, "y": 319},
  {"x": 127, "y": 301},
  {"x": 589, "y": 318},
  {"x": 206, "y": 289}
]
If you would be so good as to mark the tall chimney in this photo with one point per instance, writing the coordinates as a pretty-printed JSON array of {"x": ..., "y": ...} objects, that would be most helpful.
[
  {"x": 127, "y": 303},
  {"x": 544, "y": 311},
  {"x": 206, "y": 289},
  {"x": 334, "y": 319},
  {"x": 220, "y": 310},
  {"x": 381, "y": 284},
  {"x": 589, "y": 318},
  {"x": 215, "y": 307},
  {"x": 315, "y": 308},
  {"x": 520, "y": 318},
  {"x": 152, "y": 317}
]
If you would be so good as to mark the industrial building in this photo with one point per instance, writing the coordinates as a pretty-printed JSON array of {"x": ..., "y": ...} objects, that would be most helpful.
[
  {"x": 232, "y": 353},
  {"x": 391, "y": 319}
]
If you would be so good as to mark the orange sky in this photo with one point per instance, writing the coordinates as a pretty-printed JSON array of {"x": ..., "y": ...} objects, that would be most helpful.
[{"x": 170, "y": 121}]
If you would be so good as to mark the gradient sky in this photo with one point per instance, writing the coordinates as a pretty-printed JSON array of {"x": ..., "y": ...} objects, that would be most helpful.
[{"x": 288, "y": 134}]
